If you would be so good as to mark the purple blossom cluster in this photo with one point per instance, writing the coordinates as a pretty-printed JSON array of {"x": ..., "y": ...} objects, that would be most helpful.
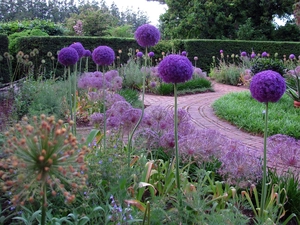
[
  {"x": 147, "y": 35},
  {"x": 198, "y": 73},
  {"x": 68, "y": 56},
  {"x": 78, "y": 28},
  {"x": 267, "y": 86},
  {"x": 79, "y": 48},
  {"x": 284, "y": 150},
  {"x": 200, "y": 146},
  {"x": 95, "y": 80},
  {"x": 118, "y": 215},
  {"x": 237, "y": 167},
  {"x": 103, "y": 55},
  {"x": 175, "y": 69}
]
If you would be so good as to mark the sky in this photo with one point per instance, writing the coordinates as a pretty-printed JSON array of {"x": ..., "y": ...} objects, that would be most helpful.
[{"x": 152, "y": 9}]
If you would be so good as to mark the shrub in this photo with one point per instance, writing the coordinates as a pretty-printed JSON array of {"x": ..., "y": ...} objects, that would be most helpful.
[
  {"x": 261, "y": 64},
  {"x": 12, "y": 38},
  {"x": 41, "y": 97},
  {"x": 197, "y": 85},
  {"x": 132, "y": 75}
]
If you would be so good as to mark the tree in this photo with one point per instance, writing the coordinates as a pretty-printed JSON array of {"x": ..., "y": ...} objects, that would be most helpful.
[{"x": 221, "y": 18}]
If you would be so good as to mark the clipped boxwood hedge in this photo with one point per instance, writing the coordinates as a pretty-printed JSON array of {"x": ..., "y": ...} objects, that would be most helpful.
[
  {"x": 4, "y": 75},
  {"x": 203, "y": 49}
]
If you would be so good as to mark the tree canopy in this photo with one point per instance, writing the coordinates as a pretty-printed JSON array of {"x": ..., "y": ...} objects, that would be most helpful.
[{"x": 223, "y": 19}]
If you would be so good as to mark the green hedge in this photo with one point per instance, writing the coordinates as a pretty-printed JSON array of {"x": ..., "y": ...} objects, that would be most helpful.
[
  {"x": 206, "y": 49},
  {"x": 203, "y": 49},
  {"x": 4, "y": 75}
]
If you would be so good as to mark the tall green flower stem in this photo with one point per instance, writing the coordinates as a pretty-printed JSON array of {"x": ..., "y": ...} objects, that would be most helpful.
[
  {"x": 75, "y": 97},
  {"x": 129, "y": 148},
  {"x": 104, "y": 109},
  {"x": 176, "y": 137},
  {"x": 86, "y": 64},
  {"x": 44, "y": 205},
  {"x": 264, "y": 180},
  {"x": 70, "y": 95}
]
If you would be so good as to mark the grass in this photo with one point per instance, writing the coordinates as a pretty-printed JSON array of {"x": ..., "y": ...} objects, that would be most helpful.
[
  {"x": 246, "y": 113},
  {"x": 193, "y": 86}
]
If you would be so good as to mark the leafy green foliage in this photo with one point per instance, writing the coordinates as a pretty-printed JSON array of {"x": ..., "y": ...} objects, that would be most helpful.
[
  {"x": 41, "y": 97},
  {"x": 131, "y": 96},
  {"x": 197, "y": 85},
  {"x": 246, "y": 113},
  {"x": 46, "y": 26},
  {"x": 219, "y": 19},
  {"x": 26, "y": 33},
  {"x": 227, "y": 73},
  {"x": 261, "y": 64}
]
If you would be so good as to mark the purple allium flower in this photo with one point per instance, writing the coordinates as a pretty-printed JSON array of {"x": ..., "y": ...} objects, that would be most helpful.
[
  {"x": 103, "y": 55},
  {"x": 167, "y": 141},
  {"x": 221, "y": 51},
  {"x": 195, "y": 58},
  {"x": 183, "y": 53},
  {"x": 253, "y": 55},
  {"x": 130, "y": 118},
  {"x": 87, "y": 53},
  {"x": 264, "y": 54},
  {"x": 154, "y": 71},
  {"x": 147, "y": 35},
  {"x": 267, "y": 86},
  {"x": 79, "y": 48},
  {"x": 292, "y": 56},
  {"x": 153, "y": 84},
  {"x": 199, "y": 72},
  {"x": 151, "y": 54},
  {"x": 68, "y": 56},
  {"x": 239, "y": 168},
  {"x": 96, "y": 119},
  {"x": 139, "y": 54},
  {"x": 244, "y": 54},
  {"x": 284, "y": 150},
  {"x": 175, "y": 69}
]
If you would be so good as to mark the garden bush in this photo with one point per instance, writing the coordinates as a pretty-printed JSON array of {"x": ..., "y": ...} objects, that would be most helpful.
[{"x": 198, "y": 85}]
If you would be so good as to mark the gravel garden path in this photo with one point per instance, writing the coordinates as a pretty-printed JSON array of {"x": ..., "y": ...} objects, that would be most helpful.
[{"x": 200, "y": 108}]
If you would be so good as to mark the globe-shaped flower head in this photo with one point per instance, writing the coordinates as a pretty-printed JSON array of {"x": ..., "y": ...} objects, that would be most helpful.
[
  {"x": 292, "y": 57},
  {"x": 139, "y": 54},
  {"x": 175, "y": 69},
  {"x": 151, "y": 54},
  {"x": 264, "y": 54},
  {"x": 183, "y": 53},
  {"x": 79, "y": 48},
  {"x": 87, "y": 53},
  {"x": 267, "y": 86},
  {"x": 68, "y": 56},
  {"x": 147, "y": 35},
  {"x": 103, "y": 55},
  {"x": 244, "y": 54}
]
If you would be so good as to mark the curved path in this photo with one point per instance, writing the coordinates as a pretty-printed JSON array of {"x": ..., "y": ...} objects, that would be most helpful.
[{"x": 200, "y": 108}]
